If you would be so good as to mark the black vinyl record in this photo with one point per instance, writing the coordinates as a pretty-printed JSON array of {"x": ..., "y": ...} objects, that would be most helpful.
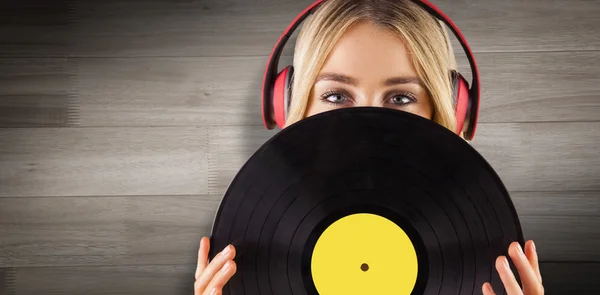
[{"x": 373, "y": 162}]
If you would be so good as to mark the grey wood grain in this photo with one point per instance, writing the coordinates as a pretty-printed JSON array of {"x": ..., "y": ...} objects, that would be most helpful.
[
  {"x": 85, "y": 231},
  {"x": 568, "y": 203},
  {"x": 103, "y": 161},
  {"x": 7, "y": 280},
  {"x": 517, "y": 87},
  {"x": 36, "y": 28},
  {"x": 542, "y": 156},
  {"x": 570, "y": 278},
  {"x": 140, "y": 230},
  {"x": 538, "y": 86},
  {"x": 517, "y": 26},
  {"x": 561, "y": 238},
  {"x": 37, "y": 92},
  {"x": 113, "y": 280},
  {"x": 558, "y": 278},
  {"x": 234, "y": 28},
  {"x": 170, "y": 91}
]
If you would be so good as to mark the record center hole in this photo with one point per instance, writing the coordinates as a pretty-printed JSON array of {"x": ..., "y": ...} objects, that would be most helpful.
[{"x": 364, "y": 267}]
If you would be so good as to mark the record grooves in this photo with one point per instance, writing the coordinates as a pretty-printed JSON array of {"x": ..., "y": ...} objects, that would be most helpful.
[{"x": 429, "y": 198}]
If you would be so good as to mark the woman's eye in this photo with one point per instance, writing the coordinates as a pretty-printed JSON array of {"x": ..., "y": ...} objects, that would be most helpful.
[
  {"x": 401, "y": 100},
  {"x": 335, "y": 98}
]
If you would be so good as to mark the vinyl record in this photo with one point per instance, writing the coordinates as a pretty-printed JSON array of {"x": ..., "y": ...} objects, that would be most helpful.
[{"x": 365, "y": 201}]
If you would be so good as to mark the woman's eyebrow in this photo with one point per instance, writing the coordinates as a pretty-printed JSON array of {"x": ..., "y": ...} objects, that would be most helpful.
[
  {"x": 402, "y": 80},
  {"x": 338, "y": 78},
  {"x": 352, "y": 81}
]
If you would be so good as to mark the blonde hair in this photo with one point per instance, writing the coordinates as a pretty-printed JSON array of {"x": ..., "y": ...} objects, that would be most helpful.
[{"x": 424, "y": 36}]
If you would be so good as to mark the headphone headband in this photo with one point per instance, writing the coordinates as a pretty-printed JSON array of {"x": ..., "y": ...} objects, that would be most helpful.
[{"x": 273, "y": 62}]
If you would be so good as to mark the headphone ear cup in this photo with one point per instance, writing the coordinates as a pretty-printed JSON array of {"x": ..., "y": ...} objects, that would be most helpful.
[
  {"x": 281, "y": 95},
  {"x": 461, "y": 97}
]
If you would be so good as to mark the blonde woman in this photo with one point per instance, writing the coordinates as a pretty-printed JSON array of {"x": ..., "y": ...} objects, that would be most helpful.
[{"x": 382, "y": 53}]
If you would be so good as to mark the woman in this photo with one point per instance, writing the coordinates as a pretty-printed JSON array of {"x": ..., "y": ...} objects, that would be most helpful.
[{"x": 385, "y": 53}]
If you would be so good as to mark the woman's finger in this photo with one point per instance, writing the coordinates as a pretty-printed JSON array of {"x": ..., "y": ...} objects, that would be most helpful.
[
  {"x": 532, "y": 256},
  {"x": 202, "y": 256},
  {"x": 221, "y": 278},
  {"x": 531, "y": 283},
  {"x": 487, "y": 289},
  {"x": 214, "y": 266},
  {"x": 507, "y": 277}
]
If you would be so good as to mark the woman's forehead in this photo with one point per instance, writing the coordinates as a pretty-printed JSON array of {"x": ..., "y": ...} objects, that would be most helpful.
[{"x": 366, "y": 51}]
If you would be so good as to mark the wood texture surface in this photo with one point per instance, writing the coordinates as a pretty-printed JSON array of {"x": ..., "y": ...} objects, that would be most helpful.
[
  {"x": 543, "y": 156},
  {"x": 170, "y": 91},
  {"x": 539, "y": 86},
  {"x": 103, "y": 161},
  {"x": 569, "y": 203},
  {"x": 560, "y": 279},
  {"x": 36, "y": 28},
  {"x": 220, "y": 27},
  {"x": 86, "y": 231},
  {"x": 37, "y": 92},
  {"x": 105, "y": 280}
]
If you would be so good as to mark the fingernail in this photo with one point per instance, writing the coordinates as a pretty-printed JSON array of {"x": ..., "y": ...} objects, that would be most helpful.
[
  {"x": 533, "y": 246},
  {"x": 519, "y": 249},
  {"x": 506, "y": 262},
  {"x": 213, "y": 291},
  {"x": 488, "y": 288},
  {"x": 226, "y": 250},
  {"x": 227, "y": 265}
]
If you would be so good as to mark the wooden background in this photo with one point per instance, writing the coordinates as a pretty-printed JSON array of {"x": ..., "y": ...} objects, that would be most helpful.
[{"x": 123, "y": 122}]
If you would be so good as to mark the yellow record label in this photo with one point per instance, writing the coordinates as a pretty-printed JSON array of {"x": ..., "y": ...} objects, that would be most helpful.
[{"x": 364, "y": 254}]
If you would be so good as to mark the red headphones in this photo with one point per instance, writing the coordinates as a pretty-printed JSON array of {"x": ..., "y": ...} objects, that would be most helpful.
[{"x": 276, "y": 87}]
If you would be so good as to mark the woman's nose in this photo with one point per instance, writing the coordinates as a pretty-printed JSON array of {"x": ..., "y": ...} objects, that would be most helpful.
[{"x": 368, "y": 101}]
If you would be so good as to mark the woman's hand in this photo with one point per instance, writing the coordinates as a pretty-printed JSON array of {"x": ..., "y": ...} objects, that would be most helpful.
[
  {"x": 529, "y": 271},
  {"x": 211, "y": 278}
]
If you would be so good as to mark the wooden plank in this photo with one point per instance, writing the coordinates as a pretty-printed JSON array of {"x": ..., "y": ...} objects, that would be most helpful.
[
  {"x": 36, "y": 28},
  {"x": 570, "y": 278},
  {"x": 518, "y": 26},
  {"x": 557, "y": 203},
  {"x": 206, "y": 28},
  {"x": 81, "y": 231},
  {"x": 558, "y": 278},
  {"x": 103, "y": 161},
  {"x": 518, "y": 87},
  {"x": 538, "y": 87},
  {"x": 562, "y": 238},
  {"x": 234, "y": 27},
  {"x": 7, "y": 280},
  {"x": 138, "y": 230},
  {"x": 113, "y": 280},
  {"x": 37, "y": 92},
  {"x": 542, "y": 156},
  {"x": 170, "y": 91}
]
